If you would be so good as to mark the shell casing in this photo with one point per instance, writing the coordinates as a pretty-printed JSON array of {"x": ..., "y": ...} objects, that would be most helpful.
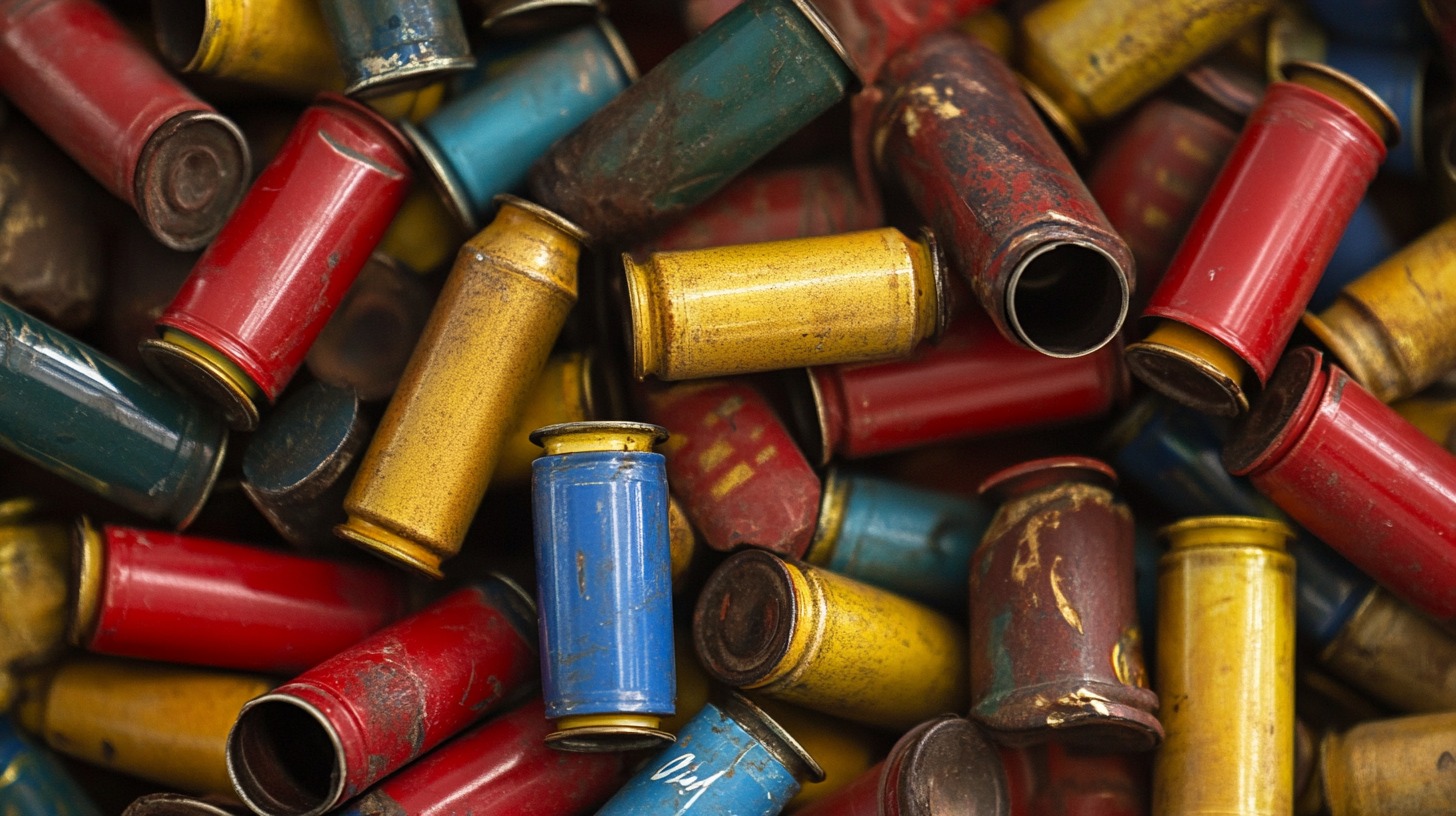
[
  {"x": 79, "y": 414},
  {"x": 569, "y": 389},
  {"x": 260, "y": 295},
  {"x": 1051, "y": 780},
  {"x": 700, "y": 117},
  {"x": 1015, "y": 217},
  {"x": 1096, "y": 58},
  {"x": 849, "y": 298},
  {"x": 604, "y": 572},
  {"x": 1318, "y": 137},
  {"x": 166, "y": 724},
  {"x": 35, "y": 583},
  {"x": 810, "y": 637},
  {"x": 368, "y": 340},
  {"x": 424, "y": 234},
  {"x": 381, "y": 703},
  {"x": 392, "y": 45},
  {"x": 1060, "y": 540},
  {"x": 504, "y": 766},
  {"x": 732, "y": 461},
  {"x": 683, "y": 540},
  {"x": 1433, "y": 414},
  {"x": 1388, "y": 328},
  {"x": 730, "y": 758},
  {"x": 1371, "y": 236},
  {"x": 34, "y": 783},
  {"x": 280, "y": 45},
  {"x": 1398, "y": 76},
  {"x": 875, "y": 30},
  {"x": 176, "y": 804},
  {"x": 844, "y": 750},
  {"x": 1395, "y": 655},
  {"x": 490, "y": 332},
  {"x": 482, "y": 143},
  {"x": 81, "y": 77},
  {"x": 1226, "y": 668},
  {"x": 1396, "y": 767},
  {"x": 972, "y": 382},
  {"x": 915, "y": 543}
]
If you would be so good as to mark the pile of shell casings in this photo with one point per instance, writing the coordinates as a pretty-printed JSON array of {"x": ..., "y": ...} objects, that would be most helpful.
[{"x": 838, "y": 407}]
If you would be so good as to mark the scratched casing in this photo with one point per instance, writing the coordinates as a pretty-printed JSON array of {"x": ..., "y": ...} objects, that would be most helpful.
[
  {"x": 396, "y": 45},
  {"x": 1398, "y": 767},
  {"x": 338, "y": 728},
  {"x": 35, "y": 563},
  {"x": 489, "y": 335},
  {"x": 810, "y": 637},
  {"x": 731, "y": 758},
  {"x": 1225, "y": 669},
  {"x": 33, "y": 783},
  {"x": 280, "y": 45},
  {"x": 1056, "y": 647}
]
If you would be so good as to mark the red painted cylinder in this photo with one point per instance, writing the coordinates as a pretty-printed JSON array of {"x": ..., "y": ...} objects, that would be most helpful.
[
  {"x": 335, "y": 730},
  {"x": 973, "y": 382},
  {"x": 501, "y": 767},
  {"x": 185, "y": 599},
  {"x": 734, "y": 465},
  {"x": 1356, "y": 475},
  {"x": 83, "y": 79},
  {"x": 1050, "y": 780},
  {"x": 242, "y": 323}
]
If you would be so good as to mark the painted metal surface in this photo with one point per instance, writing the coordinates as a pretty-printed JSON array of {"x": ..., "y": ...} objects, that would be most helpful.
[
  {"x": 1051, "y": 780},
  {"x": 490, "y": 331},
  {"x": 1226, "y": 669},
  {"x": 423, "y": 235},
  {"x": 972, "y": 382},
  {"x": 1319, "y": 137},
  {"x": 854, "y": 297},
  {"x": 1394, "y": 654},
  {"x": 735, "y": 466},
  {"x": 730, "y": 758},
  {"x": 501, "y": 768},
  {"x": 1398, "y": 76},
  {"x": 1397, "y": 767},
  {"x": 35, "y": 563},
  {"x": 79, "y": 414},
  {"x": 913, "y": 542},
  {"x": 696, "y": 120},
  {"x": 875, "y": 30},
  {"x": 482, "y": 143},
  {"x": 33, "y": 783},
  {"x": 1016, "y": 220},
  {"x": 332, "y": 732},
  {"x": 258, "y": 297},
  {"x": 391, "y": 45},
  {"x": 281, "y": 45},
  {"x": 842, "y": 749},
  {"x": 1056, "y": 649},
  {"x": 604, "y": 578},
  {"x": 165, "y": 724},
  {"x": 1370, "y": 237},
  {"x": 1357, "y": 476},
  {"x": 813, "y": 638},
  {"x": 570, "y": 388},
  {"x": 79, "y": 75},
  {"x": 368, "y": 340}
]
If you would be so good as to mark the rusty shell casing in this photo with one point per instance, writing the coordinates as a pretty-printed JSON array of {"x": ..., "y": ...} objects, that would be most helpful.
[
  {"x": 242, "y": 323},
  {"x": 338, "y": 728},
  {"x": 731, "y": 460},
  {"x": 1095, "y": 58},
  {"x": 1225, "y": 669},
  {"x": 50, "y": 243},
  {"x": 875, "y": 30},
  {"x": 163, "y": 596},
  {"x": 1056, "y": 647},
  {"x": 165, "y": 724},
  {"x": 1396, "y": 655},
  {"x": 702, "y": 116},
  {"x": 1357, "y": 476},
  {"x": 809, "y": 637},
  {"x": 35, "y": 583},
  {"x": 1253, "y": 256},
  {"x": 396, "y": 45},
  {"x": 81, "y": 77},
  {"x": 280, "y": 45},
  {"x": 963, "y": 141},
  {"x": 570, "y": 388},
  {"x": 845, "y": 750},
  {"x": 34, "y": 782},
  {"x": 850, "y": 298},
  {"x": 1391, "y": 327},
  {"x": 489, "y": 334},
  {"x": 1397, "y": 767},
  {"x": 368, "y": 340},
  {"x": 177, "y": 804}
]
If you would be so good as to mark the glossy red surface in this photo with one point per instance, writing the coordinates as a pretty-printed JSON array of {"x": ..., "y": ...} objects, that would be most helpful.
[
  {"x": 268, "y": 283},
  {"x": 186, "y": 599},
  {"x": 1255, "y": 252}
]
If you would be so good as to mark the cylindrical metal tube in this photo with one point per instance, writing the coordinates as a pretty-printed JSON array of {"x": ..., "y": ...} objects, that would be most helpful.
[
  {"x": 1051, "y": 780},
  {"x": 1398, "y": 76},
  {"x": 843, "y": 749},
  {"x": 826, "y": 642},
  {"x": 1394, "y": 654},
  {"x": 1226, "y": 668},
  {"x": 34, "y": 566},
  {"x": 280, "y": 45},
  {"x": 849, "y": 298},
  {"x": 489, "y": 333},
  {"x": 240, "y": 326},
  {"x": 570, "y": 388},
  {"x": 78, "y": 413},
  {"x": 395, "y": 45},
  {"x": 335, "y": 730},
  {"x": 35, "y": 784},
  {"x": 1015, "y": 218},
  {"x": 875, "y": 30},
  {"x": 1399, "y": 767},
  {"x": 81, "y": 77},
  {"x": 604, "y": 572}
]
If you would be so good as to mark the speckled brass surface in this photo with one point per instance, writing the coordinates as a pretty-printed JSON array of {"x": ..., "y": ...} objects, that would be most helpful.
[
  {"x": 562, "y": 393},
  {"x": 1400, "y": 767},
  {"x": 1396, "y": 655}
]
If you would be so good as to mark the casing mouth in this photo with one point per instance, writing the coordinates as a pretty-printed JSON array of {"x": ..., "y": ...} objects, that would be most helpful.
[
  {"x": 285, "y": 758},
  {"x": 1066, "y": 298}
]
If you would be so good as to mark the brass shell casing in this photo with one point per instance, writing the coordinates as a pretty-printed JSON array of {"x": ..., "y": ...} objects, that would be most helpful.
[
  {"x": 853, "y": 297},
  {"x": 491, "y": 330},
  {"x": 283, "y": 45},
  {"x": 1226, "y": 669},
  {"x": 565, "y": 391},
  {"x": 1396, "y": 655},
  {"x": 34, "y": 578},
  {"x": 1398, "y": 767}
]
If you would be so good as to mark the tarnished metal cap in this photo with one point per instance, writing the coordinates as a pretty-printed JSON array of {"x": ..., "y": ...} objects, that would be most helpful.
[
  {"x": 944, "y": 766},
  {"x": 1292, "y": 394},
  {"x": 773, "y": 737},
  {"x": 746, "y": 617},
  {"x": 191, "y": 365},
  {"x": 190, "y": 177}
]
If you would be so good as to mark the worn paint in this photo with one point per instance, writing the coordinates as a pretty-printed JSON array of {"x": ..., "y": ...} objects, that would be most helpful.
[
  {"x": 397, "y": 45},
  {"x": 281, "y": 45}
]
